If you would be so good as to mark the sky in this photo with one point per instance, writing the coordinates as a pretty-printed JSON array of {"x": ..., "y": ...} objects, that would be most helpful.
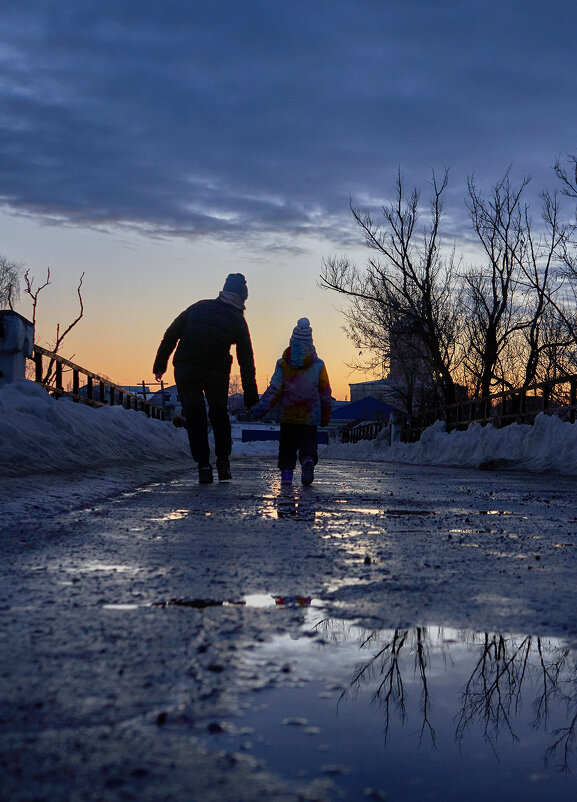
[{"x": 156, "y": 147}]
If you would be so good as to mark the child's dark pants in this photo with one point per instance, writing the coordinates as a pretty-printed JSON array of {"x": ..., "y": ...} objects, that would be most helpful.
[{"x": 296, "y": 438}]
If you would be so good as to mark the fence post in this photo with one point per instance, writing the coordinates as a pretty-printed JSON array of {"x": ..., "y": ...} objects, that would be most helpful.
[
  {"x": 16, "y": 345},
  {"x": 58, "y": 382},
  {"x": 38, "y": 367}
]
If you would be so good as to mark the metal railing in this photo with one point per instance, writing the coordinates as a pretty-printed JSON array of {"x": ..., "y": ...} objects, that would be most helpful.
[
  {"x": 98, "y": 391},
  {"x": 363, "y": 430}
]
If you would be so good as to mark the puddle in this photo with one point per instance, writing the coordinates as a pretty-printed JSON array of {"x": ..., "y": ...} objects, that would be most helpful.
[
  {"x": 173, "y": 515},
  {"x": 401, "y": 513},
  {"x": 519, "y": 515},
  {"x": 413, "y": 714},
  {"x": 252, "y": 600},
  {"x": 289, "y": 502},
  {"x": 91, "y": 566}
]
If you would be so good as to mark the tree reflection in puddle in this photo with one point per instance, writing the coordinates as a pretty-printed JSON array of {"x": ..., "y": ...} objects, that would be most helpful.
[{"x": 419, "y": 713}]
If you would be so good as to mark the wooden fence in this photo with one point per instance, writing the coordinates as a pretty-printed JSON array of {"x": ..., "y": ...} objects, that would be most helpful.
[
  {"x": 50, "y": 368},
  {"x": 553, "y": 397}
]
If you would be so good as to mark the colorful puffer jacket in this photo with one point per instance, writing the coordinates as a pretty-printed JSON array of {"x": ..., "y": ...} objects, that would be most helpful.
[{"x": 300, "y": 384}]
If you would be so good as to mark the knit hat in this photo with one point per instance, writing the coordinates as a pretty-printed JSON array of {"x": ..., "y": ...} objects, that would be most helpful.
[
  {"x": 236, "y": 282},
  {"x": 301, "y": 343},
  {"x": 302, "y": 332}
]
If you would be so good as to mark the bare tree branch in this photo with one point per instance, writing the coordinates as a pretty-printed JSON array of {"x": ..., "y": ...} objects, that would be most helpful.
[{"x": 9, "y": 282}]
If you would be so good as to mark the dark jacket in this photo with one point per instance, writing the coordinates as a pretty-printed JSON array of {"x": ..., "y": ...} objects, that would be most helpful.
[{"x": 204, "y": 333}]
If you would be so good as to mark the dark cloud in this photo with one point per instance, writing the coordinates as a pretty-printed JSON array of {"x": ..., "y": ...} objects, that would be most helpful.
[{"x": 230, "y": 119}]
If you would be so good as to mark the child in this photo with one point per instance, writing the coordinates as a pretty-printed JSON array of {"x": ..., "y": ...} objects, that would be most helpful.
[{"x": 300, "y": 383}]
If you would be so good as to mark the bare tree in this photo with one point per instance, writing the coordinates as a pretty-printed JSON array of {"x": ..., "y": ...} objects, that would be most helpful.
[
  {"x": 34, "y": 293},
  {"x": 567, "y": 175},
  {"x": 547, "y": 337},
  {"x": 509, "y": 298},
  {"x": 409, "y": 283},
  {"x": 493, "y": 314},
  {"x": 568, "y": 251},
  {"x": 9, "y": 282}
]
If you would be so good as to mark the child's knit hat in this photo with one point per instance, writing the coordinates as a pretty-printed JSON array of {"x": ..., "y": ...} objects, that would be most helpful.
[
  {"x": 236, "y": 282},
  {"x": 302, "y": 333}
]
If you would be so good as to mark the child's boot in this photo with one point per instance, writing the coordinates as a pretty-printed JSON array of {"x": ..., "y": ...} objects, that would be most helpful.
[
  {"x": 308, "y": 471},
  {"x": 286, "y": 477}
]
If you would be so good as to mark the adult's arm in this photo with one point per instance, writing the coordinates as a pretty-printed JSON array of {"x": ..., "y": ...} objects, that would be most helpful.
[
  {"x": 245, "y": 357},
  {"x": 272, "y": 394},
  {"x": 168, "y": 343}
]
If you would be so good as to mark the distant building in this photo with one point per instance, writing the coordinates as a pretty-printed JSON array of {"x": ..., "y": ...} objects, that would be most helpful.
[
  {"x": 167, "y": 397},
  {"x": 367, "y": 408},
  {"x": 385, "y": 390},
  {"x": 136, "y": 389},
  {"x": 142, "y": 390},
  {"x": 408, "y": 383}
]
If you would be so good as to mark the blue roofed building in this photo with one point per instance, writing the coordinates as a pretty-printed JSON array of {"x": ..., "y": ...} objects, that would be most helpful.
[{"x": 367, "y": 408}]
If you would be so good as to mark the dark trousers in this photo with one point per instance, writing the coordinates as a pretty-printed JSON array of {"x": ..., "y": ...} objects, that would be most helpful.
[
  {"x": 193, "y": 387},
  {"x": 296, "y": 439}
]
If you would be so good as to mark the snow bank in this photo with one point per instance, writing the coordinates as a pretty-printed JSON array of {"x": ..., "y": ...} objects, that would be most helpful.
[
  {"x": 39, "y": 434},
  {"x": 549, "y": 445},
  {"x": 42, "y": 434}
]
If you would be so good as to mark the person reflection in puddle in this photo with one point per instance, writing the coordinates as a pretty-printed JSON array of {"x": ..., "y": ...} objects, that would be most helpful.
[{"x": 291, "y": 504}]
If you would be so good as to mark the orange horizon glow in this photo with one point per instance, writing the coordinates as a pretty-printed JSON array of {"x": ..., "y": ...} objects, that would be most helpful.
[
  {"x": 125, "y": 371},
  {"x": 134, "y": 287}
]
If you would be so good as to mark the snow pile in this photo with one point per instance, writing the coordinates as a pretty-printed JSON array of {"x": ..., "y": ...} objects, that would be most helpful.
[
  {"x": 549, "y": 445},
  {"x": 39, "y": 434},
  {"x": 42, "y": 434}
]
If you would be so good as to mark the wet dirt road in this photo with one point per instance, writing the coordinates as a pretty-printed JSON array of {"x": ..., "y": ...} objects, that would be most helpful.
[{"x": 129, "y": 627}]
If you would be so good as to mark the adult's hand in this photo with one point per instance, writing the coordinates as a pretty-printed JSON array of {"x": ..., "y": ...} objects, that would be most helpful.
[
  {"x": 158, "y": 376},
  {"x": 250, "y": 399}
]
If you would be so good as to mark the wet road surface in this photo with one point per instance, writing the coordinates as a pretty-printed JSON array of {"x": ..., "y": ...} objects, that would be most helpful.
[{"x": 138, "y": 632}]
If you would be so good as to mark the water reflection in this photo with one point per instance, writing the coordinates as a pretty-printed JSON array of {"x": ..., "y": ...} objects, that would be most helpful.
[
  {"x": 251, "y": 600},
  {"x": 420, "y": 712},
  {"x": 292, "y": 502},
  {"x": 510, "y": 674},
  {"x": 506, "y": 669}
]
